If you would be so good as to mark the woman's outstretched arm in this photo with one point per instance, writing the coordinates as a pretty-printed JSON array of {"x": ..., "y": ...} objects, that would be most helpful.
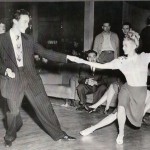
[{"x": 110, "y": 65}]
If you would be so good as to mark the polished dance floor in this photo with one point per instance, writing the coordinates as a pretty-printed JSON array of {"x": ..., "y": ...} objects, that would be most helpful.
[{"x": 31, "y": 137}]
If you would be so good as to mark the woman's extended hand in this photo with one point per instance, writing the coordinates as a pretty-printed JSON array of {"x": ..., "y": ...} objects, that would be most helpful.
[{"x": 75, "y": 59}]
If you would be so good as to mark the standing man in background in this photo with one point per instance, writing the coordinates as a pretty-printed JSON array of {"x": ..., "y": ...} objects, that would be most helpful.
[
  {"x": 106, "y": 44},
  {"x": 126, "y": 27}
]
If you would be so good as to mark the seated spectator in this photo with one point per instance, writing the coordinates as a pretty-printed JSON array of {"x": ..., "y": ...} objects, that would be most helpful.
[{"x": 91, "y": 81}]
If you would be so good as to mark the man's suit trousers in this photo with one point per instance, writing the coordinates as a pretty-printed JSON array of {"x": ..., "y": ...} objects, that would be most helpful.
[{"x": 42, "y": 106}]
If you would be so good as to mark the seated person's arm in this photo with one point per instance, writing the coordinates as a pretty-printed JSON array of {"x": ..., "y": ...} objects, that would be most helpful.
[{"x": 82, "y": 80}]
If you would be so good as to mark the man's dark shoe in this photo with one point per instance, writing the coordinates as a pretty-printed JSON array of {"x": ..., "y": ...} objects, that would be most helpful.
[
  {"x": 7, "y": 143},
  {"x": 80, "y": 108},
  {"x": 68, "y": 138}
]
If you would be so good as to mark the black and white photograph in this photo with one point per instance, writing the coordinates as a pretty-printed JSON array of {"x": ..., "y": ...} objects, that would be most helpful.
[{"x": 74, "y": 75}]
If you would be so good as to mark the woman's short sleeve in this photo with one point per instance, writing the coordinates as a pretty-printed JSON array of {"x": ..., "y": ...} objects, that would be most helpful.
[
  {"x": 146, "y": 57},
  {"x": 117, "y": 63}
]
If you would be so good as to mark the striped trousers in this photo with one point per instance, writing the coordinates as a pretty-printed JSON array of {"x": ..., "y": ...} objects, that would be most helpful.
[{"x": 43, "y": 109}]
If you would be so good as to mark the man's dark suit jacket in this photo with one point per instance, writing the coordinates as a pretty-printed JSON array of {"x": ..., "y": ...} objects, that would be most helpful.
[
  {"x": 103, "y": 77},
  {"x": 144, "y": 37},
  {"x": 10, "y": 87},
  {"x": 85, "y": 72}
]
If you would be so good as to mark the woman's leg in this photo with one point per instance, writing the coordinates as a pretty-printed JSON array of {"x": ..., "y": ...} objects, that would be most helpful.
[
  {"x": 106, "y": 121},
  {"x": 113, "y": 89},
  {"x": 121, "y": 122}
]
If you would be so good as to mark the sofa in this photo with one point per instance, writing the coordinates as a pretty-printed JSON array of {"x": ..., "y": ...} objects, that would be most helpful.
[
  {"x": 54, "y": 86},
  {"x": 62, "y": 83},
  {"x": 59, "y": 80}
]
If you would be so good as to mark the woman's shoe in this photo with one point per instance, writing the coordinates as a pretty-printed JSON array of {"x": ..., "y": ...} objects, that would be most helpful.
[
  {"x": 86, "y": 107},
  {"x": 119, "y": 139},
  {"x": 106, "y": 112},
  {"x": 91, "y": 110},
  {"x": 87, "y": 131}
]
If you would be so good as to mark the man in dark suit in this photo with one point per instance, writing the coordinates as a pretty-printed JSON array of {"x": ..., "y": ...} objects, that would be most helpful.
[
  {"x": 145, "y": 47},
  {"x": 20, "y": 78},
  {"x": 91, "y": 81},
  {"x": 145, "y": 36}
]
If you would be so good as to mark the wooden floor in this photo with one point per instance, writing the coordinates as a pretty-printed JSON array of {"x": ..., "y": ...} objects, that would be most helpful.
[{"x": 31, "y": 137}]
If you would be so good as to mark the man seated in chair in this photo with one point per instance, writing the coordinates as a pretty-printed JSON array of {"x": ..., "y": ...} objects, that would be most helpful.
[{"x": 90, "y": 81}]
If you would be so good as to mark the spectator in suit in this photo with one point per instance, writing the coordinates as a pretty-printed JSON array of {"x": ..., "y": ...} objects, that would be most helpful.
[
  {"x": 126, "y": 27},
  {"x": 145, "y": 36},
  {"x": 91, "y": 81},
  {"x": 106, "y": 44}
]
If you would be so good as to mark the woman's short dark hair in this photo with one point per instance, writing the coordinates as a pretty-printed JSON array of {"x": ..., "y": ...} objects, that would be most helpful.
[
  {"x": 20, "y": 12},
  {"x": 127, "y": 23},
  {"x": 91, "y": 51}
]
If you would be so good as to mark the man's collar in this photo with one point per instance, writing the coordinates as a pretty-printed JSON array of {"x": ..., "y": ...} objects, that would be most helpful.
[
  {"x": 108, "y": 33},
  {"x": 14, "y": 33}
]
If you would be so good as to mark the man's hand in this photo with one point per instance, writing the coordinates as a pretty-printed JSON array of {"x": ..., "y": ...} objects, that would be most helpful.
[
  {"x": 75, "y": 59},
  {"x": 91, "y": 82},
  {"x": 37, "y": 57},
  {"x": 9, "y": 73},
  {"x": 44, "y": 60}
]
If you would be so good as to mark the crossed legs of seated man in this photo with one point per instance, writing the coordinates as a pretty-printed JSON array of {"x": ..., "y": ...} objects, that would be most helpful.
[
  {"x": 44, "y": 111},
  {"x": 84, "y": 89},
  {"x": 108, "y": 96},
  {"x": 120, "y": 115}
]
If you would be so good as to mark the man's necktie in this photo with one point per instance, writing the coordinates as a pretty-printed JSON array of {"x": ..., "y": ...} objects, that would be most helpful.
[
  {"x": 93, "y": 70},
  {"x": 19, "y": 50}
]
